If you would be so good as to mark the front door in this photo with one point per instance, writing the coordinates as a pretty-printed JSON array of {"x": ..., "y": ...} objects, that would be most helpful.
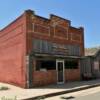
[{"x": 60, "y": 71}]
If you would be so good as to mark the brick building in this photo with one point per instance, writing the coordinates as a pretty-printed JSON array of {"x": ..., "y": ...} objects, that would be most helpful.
[{"x": 37, "y": 51}]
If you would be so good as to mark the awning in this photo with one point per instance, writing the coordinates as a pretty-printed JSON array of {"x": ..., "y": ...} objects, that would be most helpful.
[{"x": 57, "y": 56}]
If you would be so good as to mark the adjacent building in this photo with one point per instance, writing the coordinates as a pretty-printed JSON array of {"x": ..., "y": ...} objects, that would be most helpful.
[
  {"x": 36, "y": 51},
  {"x": 90, "y": 64}
]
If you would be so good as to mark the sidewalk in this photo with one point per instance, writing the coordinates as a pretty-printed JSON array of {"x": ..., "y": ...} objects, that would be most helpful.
[{"x": 47, "y": 91}]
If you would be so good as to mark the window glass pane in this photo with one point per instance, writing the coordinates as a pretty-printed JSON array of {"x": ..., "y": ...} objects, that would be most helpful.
[
  {"x": 46, "y": 64},
  {"x": 71, "y": 64}
]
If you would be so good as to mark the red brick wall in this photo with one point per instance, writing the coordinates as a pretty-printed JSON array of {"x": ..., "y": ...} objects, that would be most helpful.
[
  {"x": 41, "y": 78},
  {"x": 13, "y": 52},
  {"x": 46, "y": 31},
  {"x": 72, "y": 74}
]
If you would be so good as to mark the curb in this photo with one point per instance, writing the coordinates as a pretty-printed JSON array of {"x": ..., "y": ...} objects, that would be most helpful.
[{"x": 41, "y": 97}]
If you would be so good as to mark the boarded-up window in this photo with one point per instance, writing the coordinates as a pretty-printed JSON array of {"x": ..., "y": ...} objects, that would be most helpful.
[{"x": 43, "y": 46}]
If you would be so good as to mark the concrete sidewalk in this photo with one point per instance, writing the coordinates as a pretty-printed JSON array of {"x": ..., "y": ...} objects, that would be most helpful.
[{"x": 47, "y": 91}]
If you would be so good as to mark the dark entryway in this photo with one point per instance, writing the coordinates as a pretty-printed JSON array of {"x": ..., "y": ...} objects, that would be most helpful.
[{"x": 60, "y": 71}]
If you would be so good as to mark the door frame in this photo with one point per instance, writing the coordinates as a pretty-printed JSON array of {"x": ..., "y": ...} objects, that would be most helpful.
[{"x": 61, "y": 61}]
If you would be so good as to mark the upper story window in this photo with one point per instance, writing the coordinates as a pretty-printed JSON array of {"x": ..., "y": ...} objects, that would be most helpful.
[{"x": 43, "y": 46}]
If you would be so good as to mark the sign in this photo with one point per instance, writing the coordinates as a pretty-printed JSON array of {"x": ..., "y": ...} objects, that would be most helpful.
[{"x": 58, "y": 48}]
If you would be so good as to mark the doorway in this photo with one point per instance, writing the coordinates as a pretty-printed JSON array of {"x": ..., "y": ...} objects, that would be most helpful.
[{"x": 60, "y": 71}]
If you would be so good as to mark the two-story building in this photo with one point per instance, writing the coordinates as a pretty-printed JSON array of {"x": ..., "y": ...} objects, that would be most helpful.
[{"x": 37, "y": 51}]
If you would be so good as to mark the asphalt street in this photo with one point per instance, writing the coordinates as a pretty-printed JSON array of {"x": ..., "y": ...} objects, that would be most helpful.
[
  {"x": 95, "y": 96},
  {"x": 89, "y": 94}
]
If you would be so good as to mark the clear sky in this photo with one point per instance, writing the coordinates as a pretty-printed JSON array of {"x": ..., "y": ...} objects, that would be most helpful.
[{"x": 84, "y": 13}]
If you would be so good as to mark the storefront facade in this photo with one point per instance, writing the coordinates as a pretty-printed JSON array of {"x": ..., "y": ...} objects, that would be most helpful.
[
  {"x": 56, "y": 49},
  {"x": 57, "y": 70},
  {"x": 44, "y": 51}
]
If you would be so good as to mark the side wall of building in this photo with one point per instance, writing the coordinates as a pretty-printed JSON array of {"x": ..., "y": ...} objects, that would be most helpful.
[{"x": 13, "y": 52}]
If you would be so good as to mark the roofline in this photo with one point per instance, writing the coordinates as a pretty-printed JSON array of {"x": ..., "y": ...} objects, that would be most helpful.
[
  {"x": 94, "y": 54},
  {"x": 60, "y": 17},
  {"x": 48, "y": 19}
]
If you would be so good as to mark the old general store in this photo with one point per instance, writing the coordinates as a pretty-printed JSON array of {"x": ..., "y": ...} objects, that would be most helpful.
[{"x": 37, "y": 51}]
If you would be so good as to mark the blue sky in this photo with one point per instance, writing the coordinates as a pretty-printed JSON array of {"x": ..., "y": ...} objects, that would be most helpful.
[{"x": 84, "y": 13}]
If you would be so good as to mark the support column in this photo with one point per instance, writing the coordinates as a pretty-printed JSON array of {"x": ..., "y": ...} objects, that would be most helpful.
[{"x": 29, "y": 71}]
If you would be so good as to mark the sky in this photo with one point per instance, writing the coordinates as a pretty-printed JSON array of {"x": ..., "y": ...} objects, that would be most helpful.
[{"x": 85, "y": 13}]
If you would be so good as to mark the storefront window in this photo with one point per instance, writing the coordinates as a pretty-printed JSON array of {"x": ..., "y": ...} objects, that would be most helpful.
[
  {"x": 71, "y": 64},
  {"x": 43, "y": 65}
]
